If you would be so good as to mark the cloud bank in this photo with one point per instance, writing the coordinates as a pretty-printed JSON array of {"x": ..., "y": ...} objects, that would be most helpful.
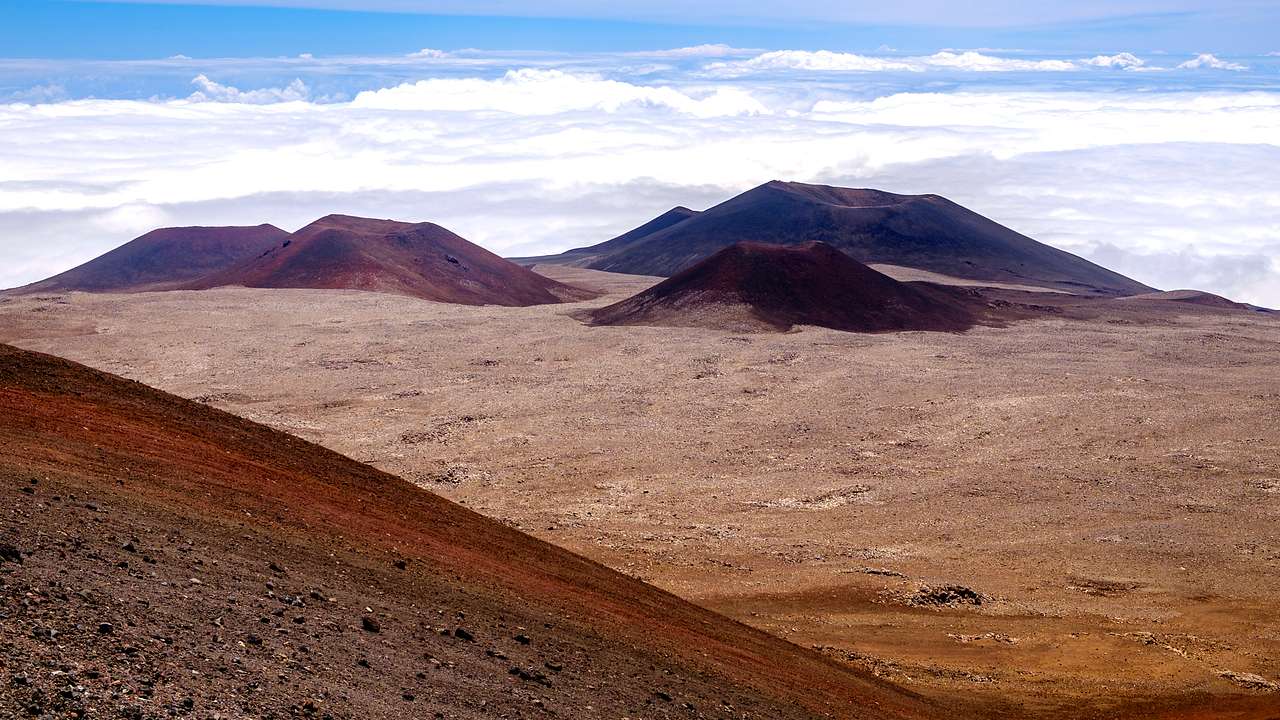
[{"x": 827, "y": 61}]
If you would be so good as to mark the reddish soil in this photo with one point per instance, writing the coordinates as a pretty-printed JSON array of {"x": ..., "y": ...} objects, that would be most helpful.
[
  {"x": 421, "y": 260},
  {"x": 163, "y": 259},
  {"x": 777, "y": 287},
  {"x": 926, "y": 232},
  {"x": 162, "y": 558}
]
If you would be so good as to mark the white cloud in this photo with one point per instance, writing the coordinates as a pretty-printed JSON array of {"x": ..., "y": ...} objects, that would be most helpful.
[
  {"x": 820, "y": 60},
  {"x": 1122, "y": 60},
  {"x": 694, "y": 51},
  {"x": 548, "y": 92},
  {"x": 50, "y": 92},
  {"x": 429, "y": 54},
  {"x": 827, "y": 61},
  {"x": 1211, "y": 62},
  {"x": 210, "y": 91},
  {"x": 979, "y": 62}
]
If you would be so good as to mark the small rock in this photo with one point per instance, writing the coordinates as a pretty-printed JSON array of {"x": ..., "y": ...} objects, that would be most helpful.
[
  {"x": 370, "y": 625},
  {"x": 9, "y": 553},
  {"x": 400, "y": 564},
  {"x": 464, "y": 634},
  {"x": 523, "y": 639},
  {"x": 105, "y": 628}
]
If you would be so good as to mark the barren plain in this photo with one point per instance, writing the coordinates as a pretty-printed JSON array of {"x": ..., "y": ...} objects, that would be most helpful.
[{"x": 1059, "y": 517}]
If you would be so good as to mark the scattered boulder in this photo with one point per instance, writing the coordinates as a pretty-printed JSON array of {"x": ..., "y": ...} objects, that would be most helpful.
[
  {"x": 946, "y": 595},
  {"x": 1249, "y": 681},
  {"x": 9, "y": 553}
]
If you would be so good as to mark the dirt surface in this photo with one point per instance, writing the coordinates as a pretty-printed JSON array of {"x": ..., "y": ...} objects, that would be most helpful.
[
  {"x": 163, "y": 259},
  {"x": 751, "y": 287},
  {"x": 160, "y": 558},
  {"x": 927, "y": 232},
  {"x": 1077, "y": 516}
]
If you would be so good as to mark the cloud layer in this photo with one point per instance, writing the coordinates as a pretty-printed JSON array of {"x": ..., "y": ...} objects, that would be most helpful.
[{"x": 1176, "y": 188}]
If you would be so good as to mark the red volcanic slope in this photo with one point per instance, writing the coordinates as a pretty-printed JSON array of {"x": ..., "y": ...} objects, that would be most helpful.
[
  {"x": 206, "y": 561},
  {"x": 421, "y": 260},
  {"x": 163, "y": 259},
  {"x": 779, "y": 286},
  {"x": 919, "y": 231}
]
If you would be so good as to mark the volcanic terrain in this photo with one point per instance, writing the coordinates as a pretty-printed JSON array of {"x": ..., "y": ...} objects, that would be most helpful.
[
  {"x": 420, "y": 260},
  {"x": 926, "y": 232},
  {"x": 163, "y": 259},
  {"x": 1073, "y": 516},
  {"x": 160, "y": 558},
  {"x": 774, "y": 287}
]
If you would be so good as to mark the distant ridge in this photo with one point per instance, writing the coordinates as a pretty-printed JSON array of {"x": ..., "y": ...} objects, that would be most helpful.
[
  {"x": 1200, "y": 298},
  {"x": 771, "y": 287},
  {"x": 927, "y": 232},
  {"x": 162, "y": 259}
]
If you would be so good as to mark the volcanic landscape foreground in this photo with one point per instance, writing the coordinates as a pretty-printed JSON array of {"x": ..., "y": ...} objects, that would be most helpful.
[{"x": 1068, "y": 510}]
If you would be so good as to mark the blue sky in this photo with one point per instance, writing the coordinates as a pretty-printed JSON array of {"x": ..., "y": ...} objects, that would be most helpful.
[
  {"x": 1142, "y": 135},
  {"x": 230, "y": 28}
]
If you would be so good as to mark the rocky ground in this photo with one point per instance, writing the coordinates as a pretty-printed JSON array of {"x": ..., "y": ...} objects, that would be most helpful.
[
  {"x": 159, "y": 559},
  {"x": 1061, "y": 516}
]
